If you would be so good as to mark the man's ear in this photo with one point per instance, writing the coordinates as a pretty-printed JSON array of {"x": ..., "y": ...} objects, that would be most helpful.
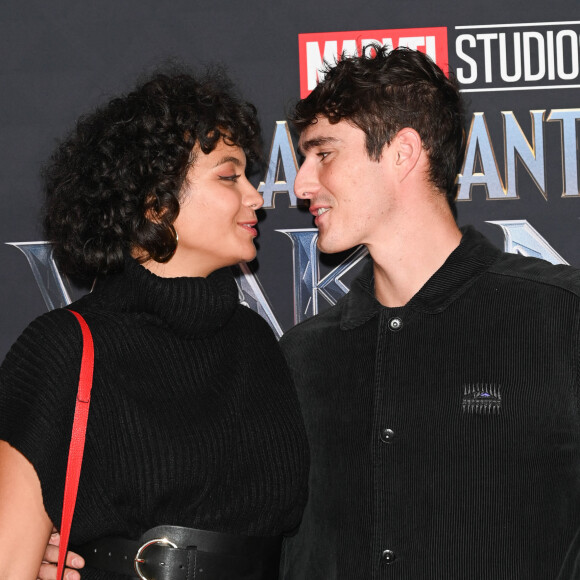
[{"x": 407, "y": 146}]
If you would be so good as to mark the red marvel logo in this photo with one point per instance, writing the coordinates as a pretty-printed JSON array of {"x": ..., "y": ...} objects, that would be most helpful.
[{"x": 318, "y": 47}]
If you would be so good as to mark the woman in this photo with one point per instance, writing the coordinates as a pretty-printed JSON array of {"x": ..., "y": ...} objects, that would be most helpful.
[{"x": 193, "y": 422}]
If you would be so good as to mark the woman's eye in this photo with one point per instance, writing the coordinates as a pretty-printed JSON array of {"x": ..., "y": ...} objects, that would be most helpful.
[{"x": 233, "y": 178}]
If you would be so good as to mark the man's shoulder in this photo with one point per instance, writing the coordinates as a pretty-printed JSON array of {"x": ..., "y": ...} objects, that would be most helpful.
[
  {"x": 316, "y": 325},
  {"x": 537, "y": 271}
]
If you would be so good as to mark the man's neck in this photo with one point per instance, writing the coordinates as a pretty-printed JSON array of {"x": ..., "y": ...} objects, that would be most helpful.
[{"x": 403, "y": 265}]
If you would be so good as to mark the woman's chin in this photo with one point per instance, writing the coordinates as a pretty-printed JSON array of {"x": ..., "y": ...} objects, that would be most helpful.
[{"x": 249, "y": 256}]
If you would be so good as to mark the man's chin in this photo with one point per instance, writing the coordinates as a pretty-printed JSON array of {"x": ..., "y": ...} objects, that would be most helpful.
[{"x": 327, "y": 247}]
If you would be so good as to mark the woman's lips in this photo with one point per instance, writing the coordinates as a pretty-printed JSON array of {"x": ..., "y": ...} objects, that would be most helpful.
[{"x": 249, "y": 227}]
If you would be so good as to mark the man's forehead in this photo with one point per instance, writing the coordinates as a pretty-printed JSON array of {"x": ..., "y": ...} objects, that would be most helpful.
[{"x": 324, "y": 133}]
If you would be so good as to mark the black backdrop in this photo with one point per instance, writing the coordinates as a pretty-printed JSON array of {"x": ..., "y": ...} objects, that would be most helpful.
[{"x": 61, "y": 58}]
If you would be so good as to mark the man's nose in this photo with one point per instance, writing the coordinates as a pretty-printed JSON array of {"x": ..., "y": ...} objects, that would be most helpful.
[{"x": 305, "y": 183}]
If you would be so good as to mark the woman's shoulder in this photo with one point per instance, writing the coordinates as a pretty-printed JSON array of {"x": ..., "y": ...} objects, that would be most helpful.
[
  {"x": 50, "y": 341},
  {"x": 53, "y": 326},
  {"x": 255, "y": 326}
]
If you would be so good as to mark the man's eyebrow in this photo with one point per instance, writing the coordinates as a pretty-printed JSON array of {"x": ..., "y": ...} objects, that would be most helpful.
[
  {"x": 230, "y": 159},
  {"x": 316, "y": 142}
]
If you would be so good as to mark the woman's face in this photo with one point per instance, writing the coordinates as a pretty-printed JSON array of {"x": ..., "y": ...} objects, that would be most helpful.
[{"x": 217, "y": 219}]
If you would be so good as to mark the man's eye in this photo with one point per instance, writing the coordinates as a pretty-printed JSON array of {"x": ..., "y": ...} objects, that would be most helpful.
[
  {"x": 233, "y": 178},
  {"x": 323, "y": 154}
]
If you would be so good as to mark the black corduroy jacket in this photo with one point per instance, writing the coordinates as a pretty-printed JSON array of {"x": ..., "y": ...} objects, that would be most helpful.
[{"x": 444, "y": 434}]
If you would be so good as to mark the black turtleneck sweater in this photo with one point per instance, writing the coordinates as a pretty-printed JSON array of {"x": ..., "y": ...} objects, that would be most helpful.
[{"x": 193, "y": 420}]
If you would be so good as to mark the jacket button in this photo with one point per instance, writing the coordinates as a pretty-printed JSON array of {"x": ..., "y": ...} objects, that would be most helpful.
[
  {"x": 387, "y": 435},
  {"x": 388, "y": 556},
  {"x": 395, "y": 324}
]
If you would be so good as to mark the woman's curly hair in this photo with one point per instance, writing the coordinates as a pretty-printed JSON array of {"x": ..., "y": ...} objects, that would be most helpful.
[{"x": 113, "y": 184}]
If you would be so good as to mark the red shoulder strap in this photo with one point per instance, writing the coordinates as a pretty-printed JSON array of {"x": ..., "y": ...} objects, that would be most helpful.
[{"x": 77, "y": 444}]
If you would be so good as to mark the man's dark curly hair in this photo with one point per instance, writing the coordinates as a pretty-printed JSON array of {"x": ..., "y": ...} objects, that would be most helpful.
[
  {"x": 382, "y": 92},
  {"x": 113, "y": 184}
]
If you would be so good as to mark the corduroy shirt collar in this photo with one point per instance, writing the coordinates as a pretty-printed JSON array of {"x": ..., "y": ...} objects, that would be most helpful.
[{"x": 474, "y": 255}]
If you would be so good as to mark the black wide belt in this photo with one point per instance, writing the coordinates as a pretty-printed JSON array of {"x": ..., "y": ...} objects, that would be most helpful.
[{"x": 176, "y": 553}]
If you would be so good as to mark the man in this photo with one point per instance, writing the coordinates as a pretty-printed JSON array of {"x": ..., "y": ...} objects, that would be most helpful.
[{"x": 441, "y": 394}]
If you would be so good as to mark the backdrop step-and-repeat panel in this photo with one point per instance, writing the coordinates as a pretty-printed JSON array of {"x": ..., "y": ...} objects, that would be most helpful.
[{"x": 518, "y": 67}]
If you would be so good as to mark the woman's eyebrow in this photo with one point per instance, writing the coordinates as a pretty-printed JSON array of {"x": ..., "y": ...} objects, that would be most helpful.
[{"x": 230, "y": 159}]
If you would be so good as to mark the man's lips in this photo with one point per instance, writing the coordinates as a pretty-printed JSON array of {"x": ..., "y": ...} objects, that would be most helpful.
[{"x": 318, "y": 211}]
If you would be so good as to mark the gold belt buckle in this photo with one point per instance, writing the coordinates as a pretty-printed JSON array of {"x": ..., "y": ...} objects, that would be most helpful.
[{"x": 139, "y": 560}]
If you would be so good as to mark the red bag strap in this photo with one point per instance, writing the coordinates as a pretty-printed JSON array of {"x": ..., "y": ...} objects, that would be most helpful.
[{"x": 77, "y": 443}]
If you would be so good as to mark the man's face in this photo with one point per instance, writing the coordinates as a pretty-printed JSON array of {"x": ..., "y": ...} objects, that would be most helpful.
[{"x": 349, "y": 193}]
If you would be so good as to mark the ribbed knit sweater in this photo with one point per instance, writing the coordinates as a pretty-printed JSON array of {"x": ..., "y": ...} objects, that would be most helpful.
[
  {"x": 444, "y": 434},
  {"x": 193, "y": 422}
]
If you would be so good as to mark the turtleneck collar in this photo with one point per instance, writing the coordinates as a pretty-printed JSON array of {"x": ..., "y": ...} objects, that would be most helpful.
[{"x": 190, "y": 306}]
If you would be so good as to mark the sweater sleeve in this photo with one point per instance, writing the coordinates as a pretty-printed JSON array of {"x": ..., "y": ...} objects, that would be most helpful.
[
  {"x": 298, "y": 456},
  {"x": 38, "y": 384}
]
